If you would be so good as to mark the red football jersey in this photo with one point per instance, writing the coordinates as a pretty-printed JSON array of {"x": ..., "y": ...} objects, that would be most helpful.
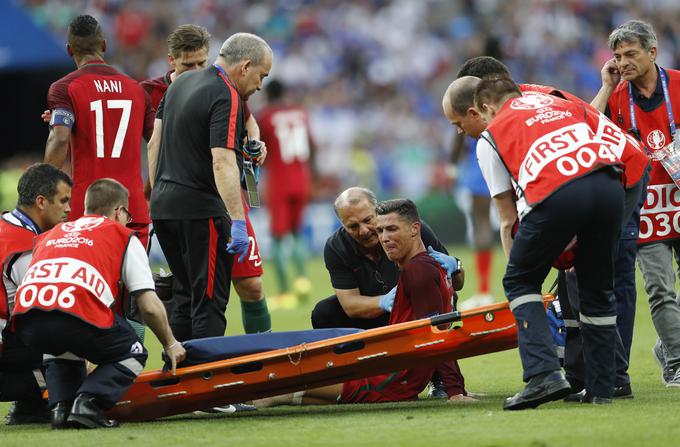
[
  {"x": 423, "y": 290},
  {"x": 156, "y": 87},
  {"x": 285, "y": 129},
  {"x": 110, "y": 113}
]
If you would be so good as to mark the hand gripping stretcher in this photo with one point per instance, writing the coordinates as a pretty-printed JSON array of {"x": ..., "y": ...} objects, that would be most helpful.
[{"x": 223, "y": 370}]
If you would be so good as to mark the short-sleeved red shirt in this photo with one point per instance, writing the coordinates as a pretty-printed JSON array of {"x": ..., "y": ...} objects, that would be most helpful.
[
  {"x": 423, "y": 290},
  {"x": 110, "y": 113}
]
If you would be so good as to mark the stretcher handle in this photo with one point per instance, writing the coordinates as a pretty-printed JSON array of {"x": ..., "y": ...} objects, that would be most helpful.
[
  {"x": 459, "y": 315},
  {"x": 449, "y": 317}
]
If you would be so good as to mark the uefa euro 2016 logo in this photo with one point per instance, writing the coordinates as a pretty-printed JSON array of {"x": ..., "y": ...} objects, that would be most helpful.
[
  {"x": 656, "y": 139},
  {"x": 531, "y": 100},
  {"x": 84, "y": 223}
]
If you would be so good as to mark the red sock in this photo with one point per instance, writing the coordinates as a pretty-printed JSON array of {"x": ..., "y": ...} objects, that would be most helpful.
[{"x": 483, "y": 261}]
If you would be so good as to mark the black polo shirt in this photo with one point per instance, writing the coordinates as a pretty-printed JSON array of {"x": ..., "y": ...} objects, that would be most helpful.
[
  {"x": 199, "y": 112},
  {"x": 349, "y": 268}
]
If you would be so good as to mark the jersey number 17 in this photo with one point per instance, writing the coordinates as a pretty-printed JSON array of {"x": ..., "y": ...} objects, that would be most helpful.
[{"x": 98, "y": 109}]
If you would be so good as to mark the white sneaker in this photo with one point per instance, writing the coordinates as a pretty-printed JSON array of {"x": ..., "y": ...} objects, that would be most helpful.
[
  {"x": 674, "y": 382},
  {"x": 476, "y": 301},
  {"x": 227, "y": 409}
]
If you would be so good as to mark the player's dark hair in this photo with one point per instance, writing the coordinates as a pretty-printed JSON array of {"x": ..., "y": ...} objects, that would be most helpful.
[
  {"x": 40, "y": 179},
  {"x": 85, "y": 35},
  {"x": 492, "y": 91},
  {"x": 274, "y": 90},
  {"x": 404, "y": 207},
  {"x": 103, "y": 195},
  {"x": 484, "y": 67},
  {"x": 188, "y": 38}
]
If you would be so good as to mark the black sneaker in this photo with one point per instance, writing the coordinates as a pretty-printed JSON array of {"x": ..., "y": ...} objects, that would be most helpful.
[
  {"x": 85, "y": 413},
  {"x": 436, "y": 390},
  {"x": 623, "y": 392},
  {"x": 575, "y": 397},
  {"x": 596, "y": 400},
  {"x": 541, "y": 389}
]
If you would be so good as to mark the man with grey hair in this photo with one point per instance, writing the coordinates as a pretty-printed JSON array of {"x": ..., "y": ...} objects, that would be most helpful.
[
  {"x": 363, "y": 277},
  {"x": 641, "y": 98},
  {"x": 196, "y": 204}
]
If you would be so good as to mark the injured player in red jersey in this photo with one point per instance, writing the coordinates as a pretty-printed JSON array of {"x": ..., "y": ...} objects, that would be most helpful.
[{"x": 424, "y": 289}]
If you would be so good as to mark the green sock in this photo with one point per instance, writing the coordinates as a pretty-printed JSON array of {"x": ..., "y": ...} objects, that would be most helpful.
[
  {"x": 280, "y": 264},
  {"x": 255, "y": 316},
  {"x": 299, "y": 255}
]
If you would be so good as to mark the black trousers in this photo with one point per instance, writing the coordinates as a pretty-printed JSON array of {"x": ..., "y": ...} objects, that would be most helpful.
[
  {"x": 328, "y": 313},
  {"x": 574, "y": 367},
  {"x": 21, "y": 371},
  {"x": 590, "y": 208},
  {"x": 67, "y": 341},
  {"x": 197, "y": 256}
]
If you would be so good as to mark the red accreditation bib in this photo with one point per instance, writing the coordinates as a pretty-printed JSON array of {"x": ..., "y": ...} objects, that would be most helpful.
[
  {"x": 626, "y": 148},
  {"x": 76, "y": 269},
  {"x": 660, "y": 215},
  {"x": 545, "y": 143},
  {"x": 13, "y": 239}
]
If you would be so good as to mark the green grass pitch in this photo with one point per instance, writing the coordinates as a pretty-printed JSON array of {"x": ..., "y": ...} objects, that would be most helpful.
[{"x": 650, "y": 419}]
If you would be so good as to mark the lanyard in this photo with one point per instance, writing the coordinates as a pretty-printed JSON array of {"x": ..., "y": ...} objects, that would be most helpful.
[
  {"x": 26, "y": 221},
  {"x": 223, "y": 74},
  {"x": 225, "y": 78},
  {"x": 666, "y": 97}
]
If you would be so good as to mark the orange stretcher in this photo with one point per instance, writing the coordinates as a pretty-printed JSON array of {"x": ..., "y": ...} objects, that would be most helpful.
[{"x": 479, "y": 331}]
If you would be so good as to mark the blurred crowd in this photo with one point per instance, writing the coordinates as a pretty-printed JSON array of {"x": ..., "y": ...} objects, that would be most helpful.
[{"x": 372, "y": 72}]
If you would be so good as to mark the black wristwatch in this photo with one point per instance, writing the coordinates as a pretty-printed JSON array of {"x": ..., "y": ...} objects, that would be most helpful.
[{"x": 459, "y": 266}]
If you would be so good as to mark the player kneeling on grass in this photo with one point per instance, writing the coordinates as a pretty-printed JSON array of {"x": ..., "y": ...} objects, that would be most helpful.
[{"x": 424, "y": 289}]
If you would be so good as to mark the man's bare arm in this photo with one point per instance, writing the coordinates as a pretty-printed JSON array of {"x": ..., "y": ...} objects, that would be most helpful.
[
  {"x": 227, "y": 179},
  {"x": 507, "y": 215},
  {"x": 56, "y": 149},
  {"x": 152, "y": 149},
  {"x": 357, "y": 305}
]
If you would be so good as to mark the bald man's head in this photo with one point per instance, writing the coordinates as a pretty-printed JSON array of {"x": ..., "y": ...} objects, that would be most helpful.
[
  {"x": 352, "y": 196},
  {"x": 459, "y": 109},
  {"x": 355, "y": 208},
  {"x": 461, "y": 93}
]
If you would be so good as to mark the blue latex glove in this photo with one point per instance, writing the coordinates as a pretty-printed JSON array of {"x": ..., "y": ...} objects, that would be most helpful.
[
  {"x": 387, "y": 300},
  {"x": 449, "y": 263},
  {"x": 239, "y": 239}
]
